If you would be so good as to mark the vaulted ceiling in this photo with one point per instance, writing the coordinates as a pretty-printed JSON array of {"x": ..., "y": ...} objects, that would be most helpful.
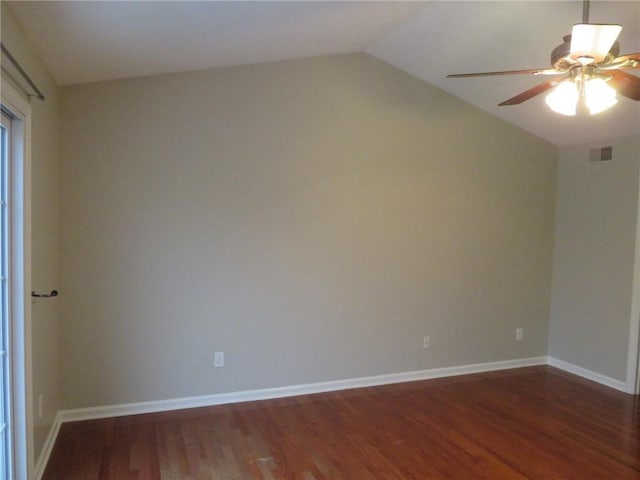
[{"x": 103, "y": 40}]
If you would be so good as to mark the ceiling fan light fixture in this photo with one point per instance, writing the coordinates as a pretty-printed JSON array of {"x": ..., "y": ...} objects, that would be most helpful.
[
  {"x": 589, "y": 71},
  {"x": 598, "y": 96},
  {"x": 564, "y": 98},
  {"x": 593, "y": 42}
]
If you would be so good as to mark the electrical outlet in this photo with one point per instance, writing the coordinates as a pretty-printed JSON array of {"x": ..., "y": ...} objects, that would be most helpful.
[
  {"x": 518, "y": 333},
  {"x": 426, "y": 341},
  {"x": 218, "y": 359}
]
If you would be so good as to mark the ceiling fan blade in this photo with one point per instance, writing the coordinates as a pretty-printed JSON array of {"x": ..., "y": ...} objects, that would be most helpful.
[
  {"x": 592, "y": 41},
  {"x": 538, "y": 71},
  {"x": 532, "y": 92},
  {"x": 625, "y": 84}
]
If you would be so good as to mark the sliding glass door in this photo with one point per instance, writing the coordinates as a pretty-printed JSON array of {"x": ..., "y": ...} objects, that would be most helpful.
[{"x": 5, "y": 327}]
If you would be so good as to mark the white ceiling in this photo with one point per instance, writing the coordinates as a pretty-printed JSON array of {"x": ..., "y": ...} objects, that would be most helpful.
[
  {"x": 102, "y": 40},
  {"x": 89, "y": 41}
]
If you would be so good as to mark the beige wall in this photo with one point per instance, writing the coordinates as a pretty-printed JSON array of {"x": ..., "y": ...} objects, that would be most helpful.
[
  {"x": 313, "y": 219},
  {"x": 44, "y": 228},
  {"x": 594, "y": 257}
]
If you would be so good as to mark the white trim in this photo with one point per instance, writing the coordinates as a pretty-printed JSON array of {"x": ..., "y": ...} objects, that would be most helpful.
[
  {"x": 20, "y": 251},
  {"x": 47, "y": 448},
  {"x": 289, "y": 391},
  {"x": 108, "y": 411},
  {"x": 588, "y": 374},
  {"x": 633, "y": 358},
  {"x": 93, "y": 413}
]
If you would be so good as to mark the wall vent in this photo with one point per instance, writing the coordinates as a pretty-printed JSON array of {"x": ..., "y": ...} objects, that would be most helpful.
[{"x": 600, "y": 154}]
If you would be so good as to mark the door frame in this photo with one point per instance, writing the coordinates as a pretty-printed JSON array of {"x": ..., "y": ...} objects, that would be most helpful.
[
  {"x": 633, "y": 355},
  {"x": 20, "y": 280}
]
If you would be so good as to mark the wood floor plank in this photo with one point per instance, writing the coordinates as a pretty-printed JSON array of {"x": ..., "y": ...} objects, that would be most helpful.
[{"x": 529, "y": 423}]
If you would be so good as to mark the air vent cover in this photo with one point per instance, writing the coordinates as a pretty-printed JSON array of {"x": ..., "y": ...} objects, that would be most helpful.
[{"x": 600, "y": 154}]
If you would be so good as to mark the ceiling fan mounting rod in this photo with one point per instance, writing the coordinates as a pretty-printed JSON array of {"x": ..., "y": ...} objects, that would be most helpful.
[{"x": 585, "y": 11}]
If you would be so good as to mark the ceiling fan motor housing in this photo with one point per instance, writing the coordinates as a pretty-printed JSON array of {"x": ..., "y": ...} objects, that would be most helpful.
[
  {"x": 561, "y": 55},
  {"x": 560, "y": 59}
]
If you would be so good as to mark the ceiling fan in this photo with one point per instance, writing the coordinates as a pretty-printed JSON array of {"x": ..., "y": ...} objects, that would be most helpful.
[{"x": 587, "y": 69}]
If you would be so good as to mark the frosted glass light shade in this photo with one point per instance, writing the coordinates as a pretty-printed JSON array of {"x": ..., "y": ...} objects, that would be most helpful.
[
  {"x": 564, "y": 98},
  {"x": 594, "y": 41},
  {"x": 599, "y": 96}
]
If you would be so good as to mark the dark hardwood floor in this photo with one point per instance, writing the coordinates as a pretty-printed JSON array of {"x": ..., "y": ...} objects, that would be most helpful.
[{"x": 533, "y": 423}]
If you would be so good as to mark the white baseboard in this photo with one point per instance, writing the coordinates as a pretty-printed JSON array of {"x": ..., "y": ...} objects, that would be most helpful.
[
  {"x": 289, "y": 391},
  {"x": 92, "y": 413},
  {"x": 588, "y": 374},
  {"x": 47, "y": 448}
]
